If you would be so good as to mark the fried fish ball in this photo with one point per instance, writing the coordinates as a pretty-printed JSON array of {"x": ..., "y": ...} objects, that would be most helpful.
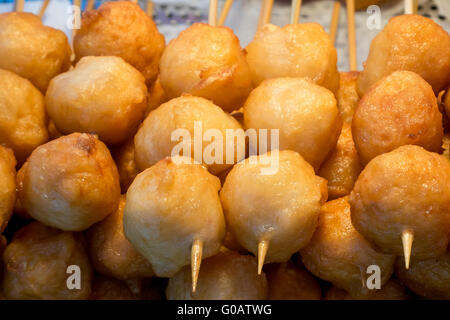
[
  {"x": 279, "y": 207},
  {"x": 8, "y": 190},
  {"x": 123, "y": 29},
  {"x": 305, "y": 114},
  {"x": 339, "y": 254},
  {"x": 399, "y": 109},
  {"x": 70, "y": 183},
  {"x": 446, "y": 108},
  {"x": 347, "y": 96},
  {"x": 208, "y": 62},
  {"x": 32, "y": 50},
  {"x": 156, "y": 96},
  {"x": 126, "y": 165},
  {"x": 295, "y": 50},
  {"x": 288, "y": 282},
  {"x": 391, "y": 290},
  {"x": 154, "y": 139},
  {"x": 19, "y": 210},
  {"x": 409, "y": 42},
  {"x": 102, "y": 95},
  {"x": 446, "y": 145},
  {"x": 111, "y": 253},
  {"x": 105, "y": 288},
  {"x": 36, "y": 263},
  {"x": 406, "y": 190},
  {"x": 23, "y": 119},
  {"x": 427, "y": 278},
  {"x": 342, "y": 167},
  {"x": 53, "y": 132},
  {"x": 168, "y": 207},
  {"x": 225, "y": 276}
]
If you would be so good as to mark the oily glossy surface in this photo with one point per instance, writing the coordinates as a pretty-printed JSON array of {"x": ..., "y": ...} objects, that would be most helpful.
[{"x": 8, "y": 186}]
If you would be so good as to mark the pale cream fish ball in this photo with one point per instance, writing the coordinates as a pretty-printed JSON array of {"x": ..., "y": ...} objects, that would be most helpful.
[
  {"x": 409, "y": 42},
  {"x": 122, "y": 29},
  {"x": 169, "y": 206},
  {"x": 37, "y": 262},
  {"x": 101, "y": 95},
  {"x": 300, "y": 50},
  {"x": 208, "y": 62},
  {"x": 399, "y": 109},
  {"x": 279, "y": 207},
  {"x": 305, "y": 115},
  {"x": 32, "y": 50},
  {"x": 225, "y": 276},
  {"x": 70, "y": 183},
  {"x": 339, "y": 254},
  {"x": 401, "y": 196},
  {"x": 8, "y": 183},
  {"x": 23, "y": 118},
  {"x": 175, "y": 127}
]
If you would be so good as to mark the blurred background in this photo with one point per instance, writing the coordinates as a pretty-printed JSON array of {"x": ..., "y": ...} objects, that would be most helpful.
[{"x": 172, "y": 16}]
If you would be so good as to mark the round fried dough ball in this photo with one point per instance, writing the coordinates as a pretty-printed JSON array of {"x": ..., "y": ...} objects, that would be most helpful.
[
  {"x": 279, "y": 207},
  {"x": 288, "y": 282},
  {"x": 36, "y": 264},
  {"x": 427, "y": 278},
  {"x": 155, "y": 138},
  {"x": 342, "y": 167},
  {"x": 70, "y": 183},
  {"x": 156, "y": 96},
  {"x": 168, "y": 207},
  {"x": 339, "y": 254},
  {"x": 295, "y": 50},
  {"x": 8, "y": 183},
  {"x": 208, "y": 62},
  {"x": 305, "y": 114},
  {"x": 391, "y": 290},
  {"x": 102, "y": 95},
  {"x": 105, "y": 288},
  {"x": 397, "y": 110},
  {"x": 409, "y": 42},
  {"x": 347, "y": 96},
  {"x": 23, "y": 119},
  {"x": 32, "y": 50},
  {"x": 407, "y": 189},
  {"x": 126, "y": 165},
  {"x": 111, "y": 253},
  {"x": 226, "y": 276},
  {"x": 123, "y": 29}
]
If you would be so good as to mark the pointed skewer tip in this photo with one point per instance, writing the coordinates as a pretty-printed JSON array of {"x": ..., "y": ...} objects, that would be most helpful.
[
  {"x": 263, "y": 246},
  {"x": 196, "y": 260},
  {"x": 407, "y": 241}
]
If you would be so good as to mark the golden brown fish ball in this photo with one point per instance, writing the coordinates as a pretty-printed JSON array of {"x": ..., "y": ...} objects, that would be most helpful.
[
  {"x": 192, "y": 117},
  {"x": 339, "y": 254},
  {"x": 225, "y": 276},
  {"x": 305, "y": 114},
  {"x": 279, "y": 207},
  {"x": 19, "y": 210},
  {"x": 446, "y": 145},
  {"x": 342, "y": 167},
  {"x": 105, "y": 288},
  {"x": 123, "y": 29},
  {"x": 427, "y": 278},
  {"x": 288, "y": 282},
  {"x": 156, "y": 96},
  {"x": 8, "y": 183},
  {"x": 347, "y": 96},
  {"x": 70, "y": 183},
  {"x": 53, "y": 132},
  {"x": 111, "y": 253},
  {"x": 295, "y": 50},
  {"x": 409, "y": 42},
  {"x": 168, "y": 207},
  {"x": 404, "y": 191},
  {"x": 32, "y": 50},
  {"x": 391, "y": 290},
  {"x": 102, "y": 95},
  {"x": 23, "y": 119},
  {"x": 126, "y": 165},
  {"x": 37, "y": 262},
  {"x": 208, "y": 62},
  {"x": 397, "y": 110}
]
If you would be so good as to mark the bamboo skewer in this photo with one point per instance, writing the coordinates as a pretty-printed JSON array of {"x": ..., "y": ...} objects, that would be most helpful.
[
  {"x": 18, "y": 5},
  {"x": 90, "y": 5},
  {"x": 225, "y": 10},
  {"x": 411, "y": 6},
  {"x": 335, "y": 20},
  {"x": 263, "y": 246},
  {"x": 407, "y": 241},
  {"x": 212, "y": 17},
  {"x": 265, "y": 13},
  {"x": 196, "y": 260},
  {"x": 150, "y": 8},
  {"x": 351, "y": 34},
  {"x": 43, "y": 8},
  {"x": 78, "y": 4},
  {"x": 295, "y": 11}
]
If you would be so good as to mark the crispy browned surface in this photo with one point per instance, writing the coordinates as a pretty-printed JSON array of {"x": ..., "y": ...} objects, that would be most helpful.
[
  {"x": 208, "y": 62},
  {"x": 122, "y": 29},
  {"x": 342, "y": 167},
  {"x": 427, "y": 278},
  {"x": 36, "y": 262},
  {"x": 70, "y": 183},
  {"x": 347, "y": 95},
  {"x": 397, "y": 110},
  {"x": 413, "y": 43},
  {"x": 339, "y": 254},
  {"x": 8, "y": 186},
  {"x": 226, "y": 276},
  {"x": 406, "y": 189},
  {"x": 391, "y": 290},
  {"x": 23, "y": 119},
  {"x": 289, "y": 282},
  {"x": 128, "y": 170}
]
